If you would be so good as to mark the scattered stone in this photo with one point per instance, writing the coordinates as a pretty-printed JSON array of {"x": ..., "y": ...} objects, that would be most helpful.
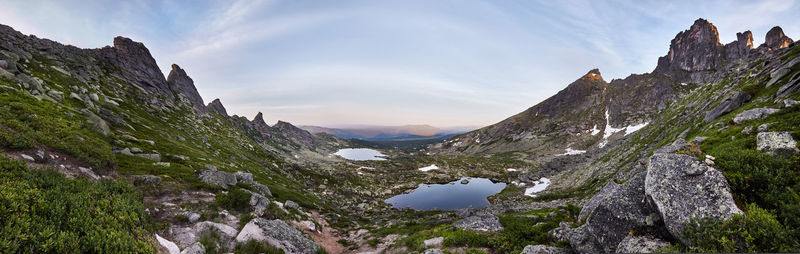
[
  {"x": 217, "y": 178},
  {"x": 129, "y": 138},
  {"x": 778, "y": 143},
  {"x": 730, "y": 103},
  {"x": 243, "y": 176},
  {"x": 465, "y": 212},
  {"x": 146, "y": 179},
  {"x": 89, "y": 173},
  {"x": 433, "y": 251},
  {"x": 480, "y": 223},
  {"x": 149, "y": 156},
  {"x": 126, "y": 151},
  {"x": 788, "y": 103},
  {"x": 263, "y": 189},
  {"x": 278, "y": 234},
  {"x": 162, "y": 164},
  {"x": 753, "y": 114},
  {"x": 258, "y": 202},
  {"x": 641, "y": 244},
  {"x": 309, "y": 225},
  {"x": 683, "y": 188},
  {"x": 196, "y": 248},
  {"x": 94, "y": 97},
  {"x": 580, "y": 239},
  {"x": 747, "y": 129},
  {"x": 544, "y": 249},
  {"x": 433, "y": 242},
  {"x": 27, "y": 157},
  {"x": 764, "y": 127},
  {"x": 98, "y": 124},
  {"x": 136, "y": 150},
  {"x": 227, "y": 233},
  {"x": 465, "y": 181},
  {"x": 291, "y": 204},
  {"x": 192, "y": 216}
]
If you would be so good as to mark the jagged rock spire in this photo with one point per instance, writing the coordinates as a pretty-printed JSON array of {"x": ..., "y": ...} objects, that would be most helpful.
[
  {"x": 696, "y": 49},
  {"x": 741, "y": 47},
  {"x": 183, "y": 86},
  {"x": 137, "y": 65},
  {"x": 216, "y": 107},
  {"x": 775, "y": 39},
  {"x": 259, "y": 123}
]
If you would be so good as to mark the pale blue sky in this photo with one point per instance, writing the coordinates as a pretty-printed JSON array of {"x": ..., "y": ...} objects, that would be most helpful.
[{"x": 444, "y": 63}]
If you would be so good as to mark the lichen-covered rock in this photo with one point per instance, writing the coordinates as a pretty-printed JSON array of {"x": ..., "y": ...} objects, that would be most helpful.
[
  {"x": 480, "y": 222},
  {"x": 621, "y": 211},
  {"x": 146, "y": 179},
  {"x": 729, "y": 104},
  {"x": 753, "y": 114},
  {"x": 544, "y": 249},
  {"x": 433, "y": 251},
  {"x": 217, "y": 178},
  {"x": 243, "y": 177},
  {"x": 684, "y": 188},
  {"x": 196, "y": 248},
  {"x": 433, "y": 242},
  {"x": 291, "y": 205},
  {"x": 149, "y": 156},
  {"x": 98, "y": 124},
  {"x": 279, "y": 234},
  {"x": 777, "y": 143},
  {"x": 258, "y": 203},
  {"x": 600, "y": 196},
  {"x": 581, "y": 240},
  {"x": 640, "y": 244}
]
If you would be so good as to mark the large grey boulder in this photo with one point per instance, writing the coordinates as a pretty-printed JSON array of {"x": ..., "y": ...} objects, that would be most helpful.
[
  {"x": 581, "y": 240},
  {"x": 729, "y": 104},
  {"x": 98, "y": 124},
  {"x": 291, "y": 205},
  {"x": 600, "y": 196},
  {"x": 776, "y": 143},
  {"x": 217, "y": 178},
  {"x": 753, "y": 114},
  {"x": 279, "y": 234},
  {"x": 623, "y": 210},
  {"x": 258, "y": 203},
  {"x": 480, "y": 223},
  {"x": 146, "y": 179},
  {"x": 641, "y": 244},
  {"x": 196, "y": 248},
  {"x": 433, "y": 242},
  {"x": 544, "y": 249},
  {"x": 149, "y": 156},
  {"x": 243, "y": 177},
  {"x": 684, "y": 188}
]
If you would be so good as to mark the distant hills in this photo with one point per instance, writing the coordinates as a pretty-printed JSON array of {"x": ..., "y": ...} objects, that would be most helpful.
[{"x": 372, "y": 132}]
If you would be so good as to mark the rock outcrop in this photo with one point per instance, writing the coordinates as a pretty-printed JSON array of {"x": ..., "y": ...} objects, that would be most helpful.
[
  {"x": 183, "y": 86},
  {"x": 641, "y": 244},
  {"x": 279, "y": 234},
  {"x": 480, "y": 223},
  {"x": 216, "y": 107},
  {"x": 741, "y": 47},
  {"x": 753, "y": 114},
  {"x": 544, "y": 249},
  {"x": 581, "y": 240},
  {"x": 683, "y": 188},
  {"x": 137, "y": 65},
  {"x": 217, "y": 178},
  {"x": 778, "y": 143},
  {"x": 694, "y": 50},
  {"x": 776, "y": 39},
  {"x": 729, "y": 104}
]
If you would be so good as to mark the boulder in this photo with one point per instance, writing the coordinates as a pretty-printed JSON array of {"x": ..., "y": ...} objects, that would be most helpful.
[
  {"x": 776, "y": 39},
  {"x": 146, "y": 179},
  {"x": 791, "y": 87},
  {"x": 149, "y": 156},
  {"x": 221, "y": 179},
  {"x": 729, "y": 104},
  {"x": 788, "y": 103},
  {"x": 98, "y": 124},
  {"x": 641, "y": 244},
  {"x": 258, "y": 203},
  {"x": 544, "y": 249},
  {"x": 677, "y": 145},
  {"x": 684, "y": 188},
  {"x": 777, "y": 143},
  {"x": 196, "y": 248},
  {"x": 171, "y": 247},
  {"x": 291, "y": 204},
  {"x": 192, "y": 216},
  {"x": 699, "y": 140},
  {"x": 243, "y": 177},
  {"x": 600, "y": 196},
  {"x": 581, "y": 240},
  {"x": 263, "y": 189},
  {"x": 480, "y": 223},
  {"x": 279, "y": 234},
  {"x": 433, "y": 242},
  {"x": 753, "y": 114},
  {"x": 433, "y": 251},
  {"x": 623, "y": 210}
]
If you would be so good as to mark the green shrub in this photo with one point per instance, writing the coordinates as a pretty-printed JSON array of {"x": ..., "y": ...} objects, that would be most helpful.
[
  {"x": 236, "y": 200},
  {"x": 244, "y": 219},
  {"x": 41, "y": 211},
  {"x": 460, "y": 237},
  {"x": 755, "y": 231}
]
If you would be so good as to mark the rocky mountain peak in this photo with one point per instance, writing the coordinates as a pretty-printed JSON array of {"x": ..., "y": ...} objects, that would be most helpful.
[
  {"x": 183, "y": 86},
  {"x": 259, "y": 122},
  {"x": 696, "y": 49},
  {"x": 775, "y": 39},
  {"x": 137, "y": 65},
  {"x": 593, "y": 74},
  {"x": 216, "y": 107}
]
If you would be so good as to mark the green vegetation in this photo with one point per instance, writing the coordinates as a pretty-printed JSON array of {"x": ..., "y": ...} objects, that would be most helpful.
[
  {"x": 41, "y": 211},
  {"x": 254, "y": 247},
  {"x": 236, "y": 200}
]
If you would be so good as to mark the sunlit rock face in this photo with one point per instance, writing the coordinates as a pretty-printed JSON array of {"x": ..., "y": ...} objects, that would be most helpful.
[
  {"x": 741, "y": 47},
  {"x": 776, "y": 39},
  {"x": 696, "y": 49}
]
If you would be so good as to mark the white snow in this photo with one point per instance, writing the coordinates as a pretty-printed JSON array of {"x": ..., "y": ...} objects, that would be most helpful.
[
  {"x": 571, "y": 151},
  {"x": 428, "y": 168},
  {"x": 361, "y": 154},
  {"x": 595, "y": 130},
  {"x": 27, "y": 157},
  {"x": 171, "y": 247},
  {"x": 538, "y": 186},
  {"x": 611, "y": 130},
  {"x": 511, "y": 169}
]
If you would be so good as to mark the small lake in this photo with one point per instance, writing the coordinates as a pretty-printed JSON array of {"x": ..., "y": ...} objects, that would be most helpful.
[
  {"x": 449, "y": 196},
  {"x": 361, "y": 154}
]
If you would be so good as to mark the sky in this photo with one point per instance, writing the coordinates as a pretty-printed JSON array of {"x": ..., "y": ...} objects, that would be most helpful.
[{"x": 444, "y": 63}]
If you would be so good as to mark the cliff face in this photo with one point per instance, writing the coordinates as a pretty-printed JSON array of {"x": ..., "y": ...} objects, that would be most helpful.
[
  {"x": 183, "y": 86},
  {"x": 696, "y": 49}
]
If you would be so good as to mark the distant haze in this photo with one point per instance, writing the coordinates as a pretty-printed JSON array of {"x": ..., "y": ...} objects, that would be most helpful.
[
  {"x": 443, "y": 63},
  {"x": 372, "y": 132}
]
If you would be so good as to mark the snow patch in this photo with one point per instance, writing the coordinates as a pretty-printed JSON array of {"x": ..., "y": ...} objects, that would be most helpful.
[
  {"x": 571, "y": 151},
  {"x": 595, "y": 130},
  {"x": 538, "y": 186},
  {"x": 611, "y": 130},
  {"x": 633, "y": 128},
  {"x": 511, "y": 169},
  {"x": 428, "y": 168}
]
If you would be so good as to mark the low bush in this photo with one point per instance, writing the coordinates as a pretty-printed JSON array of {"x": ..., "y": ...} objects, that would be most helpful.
[
  {"x": 236, "y": 200},
  {"x": 756, "y": 230}
]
